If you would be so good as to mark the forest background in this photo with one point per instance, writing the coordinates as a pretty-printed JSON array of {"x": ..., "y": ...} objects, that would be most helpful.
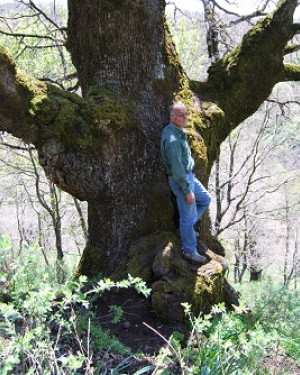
[{"x": 254, "y": 184}]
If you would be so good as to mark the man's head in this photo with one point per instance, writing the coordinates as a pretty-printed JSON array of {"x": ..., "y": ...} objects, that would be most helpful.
[{"x": 178, "y": 114}]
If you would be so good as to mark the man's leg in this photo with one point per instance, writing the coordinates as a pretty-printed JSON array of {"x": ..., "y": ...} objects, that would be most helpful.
[
  {"x": 187, "y": 217},
  {"x": 202, "y": 198}
]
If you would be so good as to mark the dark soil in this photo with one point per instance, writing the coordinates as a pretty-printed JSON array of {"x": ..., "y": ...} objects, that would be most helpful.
[{"x": 139, "y": 328}]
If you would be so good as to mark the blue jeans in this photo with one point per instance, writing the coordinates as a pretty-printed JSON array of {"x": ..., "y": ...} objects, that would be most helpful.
[{"x": 189, "y": 214}]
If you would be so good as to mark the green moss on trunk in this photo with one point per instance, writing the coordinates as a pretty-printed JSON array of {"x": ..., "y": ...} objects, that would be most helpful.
[{"x": 91, "y": 256}]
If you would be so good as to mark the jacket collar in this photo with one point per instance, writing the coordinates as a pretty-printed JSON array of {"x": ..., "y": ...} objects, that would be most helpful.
[{"x": 177, "y": 130}]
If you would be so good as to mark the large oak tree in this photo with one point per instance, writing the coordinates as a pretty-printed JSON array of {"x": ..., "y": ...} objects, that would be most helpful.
[{"x": 103, "y": 147}]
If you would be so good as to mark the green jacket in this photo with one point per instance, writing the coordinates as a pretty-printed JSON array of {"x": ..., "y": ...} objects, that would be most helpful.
[{"x": 176, "y": 155}]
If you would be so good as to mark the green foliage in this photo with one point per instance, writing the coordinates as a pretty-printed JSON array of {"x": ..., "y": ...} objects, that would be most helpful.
[
  {"x": 49, "y": 325},
  {"x": 222, "y": 344},
  {"x": 101, "y": 339},
  {"x": 277, "y": 309},
  {"x": 23, "y": 275},
  {"x": 117, "y": 312},
  {"x": 107, "y": 284},
  {"x": 242, "y": 341}
]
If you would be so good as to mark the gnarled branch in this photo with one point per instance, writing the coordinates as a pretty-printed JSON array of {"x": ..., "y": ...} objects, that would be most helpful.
[
  {"x": 243, "y": 79},
  {"x": 291, "y": 48},
  {"x": 62, "y": 126},
  {"x": 296, "y": 28},
  {"x": 291, "y": 72}
]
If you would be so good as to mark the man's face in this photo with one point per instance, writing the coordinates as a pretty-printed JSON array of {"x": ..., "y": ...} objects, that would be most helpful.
[{"x": 179, "y": 116}]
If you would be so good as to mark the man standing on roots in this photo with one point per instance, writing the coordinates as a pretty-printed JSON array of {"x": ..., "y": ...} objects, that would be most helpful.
[{"x": 192, "y": 197}]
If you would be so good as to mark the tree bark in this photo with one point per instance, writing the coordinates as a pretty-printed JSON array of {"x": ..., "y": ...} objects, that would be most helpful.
[{"x": 104, "y": 147}]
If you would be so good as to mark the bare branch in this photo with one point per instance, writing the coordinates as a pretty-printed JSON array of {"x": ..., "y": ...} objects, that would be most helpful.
[
  {"x": 41, "y": 12},
  {"x": 22, "y": 35},
  {"x": 42, "y": 47},
  {"x": 285, "y": 103},
  {"x": 17, "y": 147},
  {"x": 18, "y": 17},
  {"x": 241, "y": 18},
  {"x": 176, "y": 9}
]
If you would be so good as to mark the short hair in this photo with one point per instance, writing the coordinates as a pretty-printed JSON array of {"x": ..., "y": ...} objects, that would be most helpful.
[{"x": 176, "y": 104}]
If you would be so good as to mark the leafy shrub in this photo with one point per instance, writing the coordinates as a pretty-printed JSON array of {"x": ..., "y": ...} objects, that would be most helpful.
[
  {"x": 48, "y": 325},
  {"x": 277, "y": 309},
  {"x": 242, "y": 341}
]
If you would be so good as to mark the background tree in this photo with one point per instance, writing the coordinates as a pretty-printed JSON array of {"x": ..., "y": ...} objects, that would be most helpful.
[
  {"x": 129, "y": 73},
  {"x": 248, "y": 180},
  {"x": 45, "y": 215}
]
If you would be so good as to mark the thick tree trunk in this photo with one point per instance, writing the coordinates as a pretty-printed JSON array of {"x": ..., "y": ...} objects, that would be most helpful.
[{"x": 132, "y": 62}]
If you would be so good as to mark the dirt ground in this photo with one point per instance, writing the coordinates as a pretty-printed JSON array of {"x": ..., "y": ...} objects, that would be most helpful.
[{"x": 139, "y": 328}]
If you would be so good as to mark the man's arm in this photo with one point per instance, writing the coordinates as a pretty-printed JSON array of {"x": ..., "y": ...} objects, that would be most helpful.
[{"x": 173, "y": 152}]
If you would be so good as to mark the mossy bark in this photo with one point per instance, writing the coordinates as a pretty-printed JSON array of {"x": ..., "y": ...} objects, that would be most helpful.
[
  {"x": 104, "y": 147},
  {"x": 245, "y": 77}
]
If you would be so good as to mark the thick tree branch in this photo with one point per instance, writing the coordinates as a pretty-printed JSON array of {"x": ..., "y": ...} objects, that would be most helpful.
[
  {"x": 291, "y": 72},
  {"x": 243, "y": 79},
  {"x": 291, "y": 48},
  {"x": 296, "y": 28},
  {"x": 62, "y": 126}
]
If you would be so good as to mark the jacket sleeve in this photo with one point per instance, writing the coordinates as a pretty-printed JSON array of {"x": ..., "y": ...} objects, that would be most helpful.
[{"x": 173, "y": 154}]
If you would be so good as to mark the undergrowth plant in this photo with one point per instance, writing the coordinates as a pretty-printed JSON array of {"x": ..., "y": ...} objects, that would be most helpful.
[
  {"x": 245, "y": 341},
  {"x": 219, "y": 343},
  {"x": 277, "y": 309},
  {"x": 48, "y": 326},
  {"x": 51, "y": 328}
]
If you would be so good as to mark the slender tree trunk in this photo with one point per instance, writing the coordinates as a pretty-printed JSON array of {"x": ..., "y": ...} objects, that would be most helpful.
[
  {"x": 56, "y": 220},
  {"x": 236, "y": 267},
  {"x": 40, "y": 236},
  {"x": 81, "y": 218},
  {"x": 287, "y": 240},
  {"x": 255, "y": 275},
  {"x": 243, "y": 255},
  {"x": 243, "y": 267},
  {"x": 218, "y": 196},
  {"x": 20, "y": 229}
]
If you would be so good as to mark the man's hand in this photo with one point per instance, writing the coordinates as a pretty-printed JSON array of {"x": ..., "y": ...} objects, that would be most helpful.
[{"x": 190, "y": 198}]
